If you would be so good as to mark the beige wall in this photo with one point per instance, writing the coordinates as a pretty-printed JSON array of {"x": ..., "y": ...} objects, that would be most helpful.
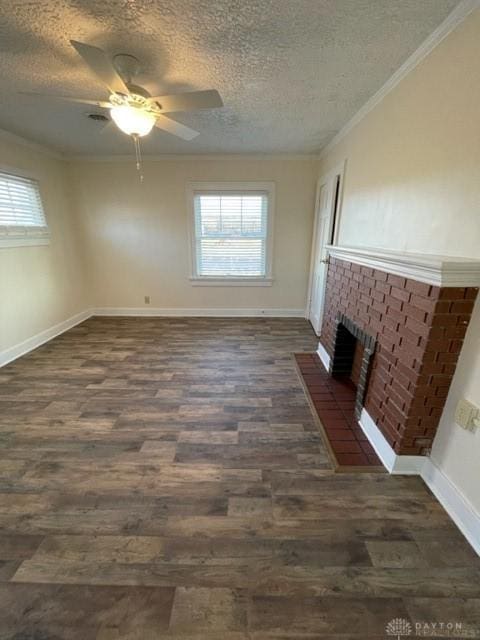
[
  {"x": 40, "y": 286},
  {"x": 413, "y": 183},
  {"x": 137, "y": 233},
  {"x": 457, "y": 452},
  {"x": 413, "y": 163}
]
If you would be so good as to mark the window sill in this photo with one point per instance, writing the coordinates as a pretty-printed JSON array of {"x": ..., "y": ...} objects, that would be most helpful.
[
  {"x": 230, "y": 282},
  {"x": 11, "y": 241}
]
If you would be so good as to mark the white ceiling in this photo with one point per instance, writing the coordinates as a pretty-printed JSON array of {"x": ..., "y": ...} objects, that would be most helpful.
[{"x": 291, "y": 72}]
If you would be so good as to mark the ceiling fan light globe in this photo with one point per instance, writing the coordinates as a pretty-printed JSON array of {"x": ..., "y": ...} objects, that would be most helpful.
[{"x": 132, "y": 120}]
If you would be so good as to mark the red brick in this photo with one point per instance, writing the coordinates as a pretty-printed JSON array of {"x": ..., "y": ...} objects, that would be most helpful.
[
  {"x": 442, "y": 392},
  {"x": 400, "y": 294},
  {"x": 471, "y": 293},
  {"x": 406, "y": 333},
  {"x": 397, "y": 281},
  {"x": 415, "y": 312},
  {"x": 392, "y": 336},
  {"x": 419, "y": 328},
  {"x": 399, "y": 401},
  {"x": 377, "y": 295},
  {"x": 379, "y": 307},
  {"x": 447, "y": 358},
  {"x": 340, "y": 434},
  {"x": 433, "y": 401},
  {"x": 383, "y": 287},
  {"x": 434, "y": 292},
  {"x": 458, "y": 331},
  {"x": 407, "y": 451},
  {"x": 346, "y": 446},
  {"x": 449, "y": 369},
  {"x": 440, "y": 344},
  {"x": 353, "y": 459},
  {"x": 444, "y": 320},
  {"x": 393, "y": 304},
  {"x": 418, "y": 288},
  {"x": 455, "y": 346},
  {"x": 422, "y": 304},
  {"x": 443, "y": 306},
  {"x": 452, "y": 293},
  {"x": 367, "y": 271},
  {"x": 464, "y": 306},
  {"x": 380, "y": 275},
  {"x": 391, "y": 322}
]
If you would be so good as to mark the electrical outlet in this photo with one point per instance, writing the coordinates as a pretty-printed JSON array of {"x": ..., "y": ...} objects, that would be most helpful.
[
  {"x": 466, "y": 415},
  {"x": 147, "y": 299}
]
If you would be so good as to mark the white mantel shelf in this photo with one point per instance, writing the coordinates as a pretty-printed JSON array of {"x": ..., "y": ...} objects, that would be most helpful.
[{"x": 441, "y": 271}]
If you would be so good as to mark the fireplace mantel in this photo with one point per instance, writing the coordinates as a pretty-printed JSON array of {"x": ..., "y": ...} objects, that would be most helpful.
[{"x": 440, "y": 271}]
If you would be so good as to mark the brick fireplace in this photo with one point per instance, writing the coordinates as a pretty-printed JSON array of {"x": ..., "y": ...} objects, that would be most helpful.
[{"x": 410, "y": 322}]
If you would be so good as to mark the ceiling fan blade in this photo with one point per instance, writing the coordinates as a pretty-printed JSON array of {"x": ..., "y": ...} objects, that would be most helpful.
[
  {"x": 96, "y": 103},
  {"x": 189, "y": 101},
  {"x": 101, "y": 66},
  {"x": 107, "y": 127},
  {"x": 175, "y": 128}
]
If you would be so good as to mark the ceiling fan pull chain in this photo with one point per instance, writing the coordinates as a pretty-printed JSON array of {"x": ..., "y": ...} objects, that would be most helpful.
[{"x": 138, "y": 154}]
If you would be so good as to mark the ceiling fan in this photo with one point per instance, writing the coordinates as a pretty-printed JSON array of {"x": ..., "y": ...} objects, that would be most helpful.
[{"x": 132, "y": 108}]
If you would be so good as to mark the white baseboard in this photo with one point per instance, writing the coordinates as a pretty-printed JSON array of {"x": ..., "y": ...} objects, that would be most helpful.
[
  {"x": 452, "y": 500},
  {"x": 12, "y": 353},
  {"x": 24, "y": 347},
  {"x": 454, "y": 503},
  {"x": 395, "y": 464},
  {"x": 323, "y": 355},
  {"x": 216, "y": 313}
]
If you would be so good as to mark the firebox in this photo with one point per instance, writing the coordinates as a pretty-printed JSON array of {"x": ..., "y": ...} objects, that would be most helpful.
[{"x": 352, "y": 355}]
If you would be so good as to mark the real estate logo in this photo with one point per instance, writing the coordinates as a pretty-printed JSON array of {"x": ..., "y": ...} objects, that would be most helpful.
[{"x": 399, "y": 628}]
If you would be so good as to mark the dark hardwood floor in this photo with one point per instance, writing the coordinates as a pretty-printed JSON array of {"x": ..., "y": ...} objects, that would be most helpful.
[{"x": 165, "y": 478}]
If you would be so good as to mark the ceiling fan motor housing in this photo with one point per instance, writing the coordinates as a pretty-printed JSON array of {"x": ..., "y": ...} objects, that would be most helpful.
[{"x": 127, "y": 66}]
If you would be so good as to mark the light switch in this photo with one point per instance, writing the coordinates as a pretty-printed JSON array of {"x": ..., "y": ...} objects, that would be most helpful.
[{"x": 467, "y": 414}]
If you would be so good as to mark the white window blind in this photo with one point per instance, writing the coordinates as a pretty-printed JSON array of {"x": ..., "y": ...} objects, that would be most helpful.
[
  {"x": 231, "y": 234},
  {"x": 21, "y": 210}
]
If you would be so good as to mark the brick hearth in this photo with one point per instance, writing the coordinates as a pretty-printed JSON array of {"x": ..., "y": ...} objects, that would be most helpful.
[{"x": 419, "y": 329}]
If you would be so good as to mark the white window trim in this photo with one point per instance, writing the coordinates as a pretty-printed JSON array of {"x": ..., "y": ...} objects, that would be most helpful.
[
  {"x": 14, "y": 236},
  {"x": 229, "y": 281}
]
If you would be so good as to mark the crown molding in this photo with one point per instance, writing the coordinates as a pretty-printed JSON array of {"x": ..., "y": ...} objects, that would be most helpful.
[
  {"x": 8, "y": 136},
  {"x": 461, "y": 11},
  {"x": 440, "y": 271},
  {"x": 313, "y": 157}
]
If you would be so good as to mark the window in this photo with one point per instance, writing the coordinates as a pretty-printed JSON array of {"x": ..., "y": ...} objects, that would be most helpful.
[
  {"x": 232, "y": 227},
  {"x": 22, "y": 220}
]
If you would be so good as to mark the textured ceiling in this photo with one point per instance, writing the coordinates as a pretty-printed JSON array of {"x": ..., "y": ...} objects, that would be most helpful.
[{"x": 291, "y": 72}]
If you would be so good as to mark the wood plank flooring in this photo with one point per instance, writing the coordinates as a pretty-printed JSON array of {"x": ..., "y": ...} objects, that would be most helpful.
[{"x": 164, "y": 478}]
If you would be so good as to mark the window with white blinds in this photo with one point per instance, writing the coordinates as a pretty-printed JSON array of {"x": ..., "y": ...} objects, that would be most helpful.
[
  {"x": 231, "y": 234},
  {"x": 22, "y": 219}
]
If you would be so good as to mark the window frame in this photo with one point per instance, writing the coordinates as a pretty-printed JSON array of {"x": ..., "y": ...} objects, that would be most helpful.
[
  {"x": 12, "y": 236},
  {"x": 205, "y": 188}
]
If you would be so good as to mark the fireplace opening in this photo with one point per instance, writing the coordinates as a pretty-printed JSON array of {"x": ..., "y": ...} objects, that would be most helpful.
[{"x": 352, "y": 357}]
